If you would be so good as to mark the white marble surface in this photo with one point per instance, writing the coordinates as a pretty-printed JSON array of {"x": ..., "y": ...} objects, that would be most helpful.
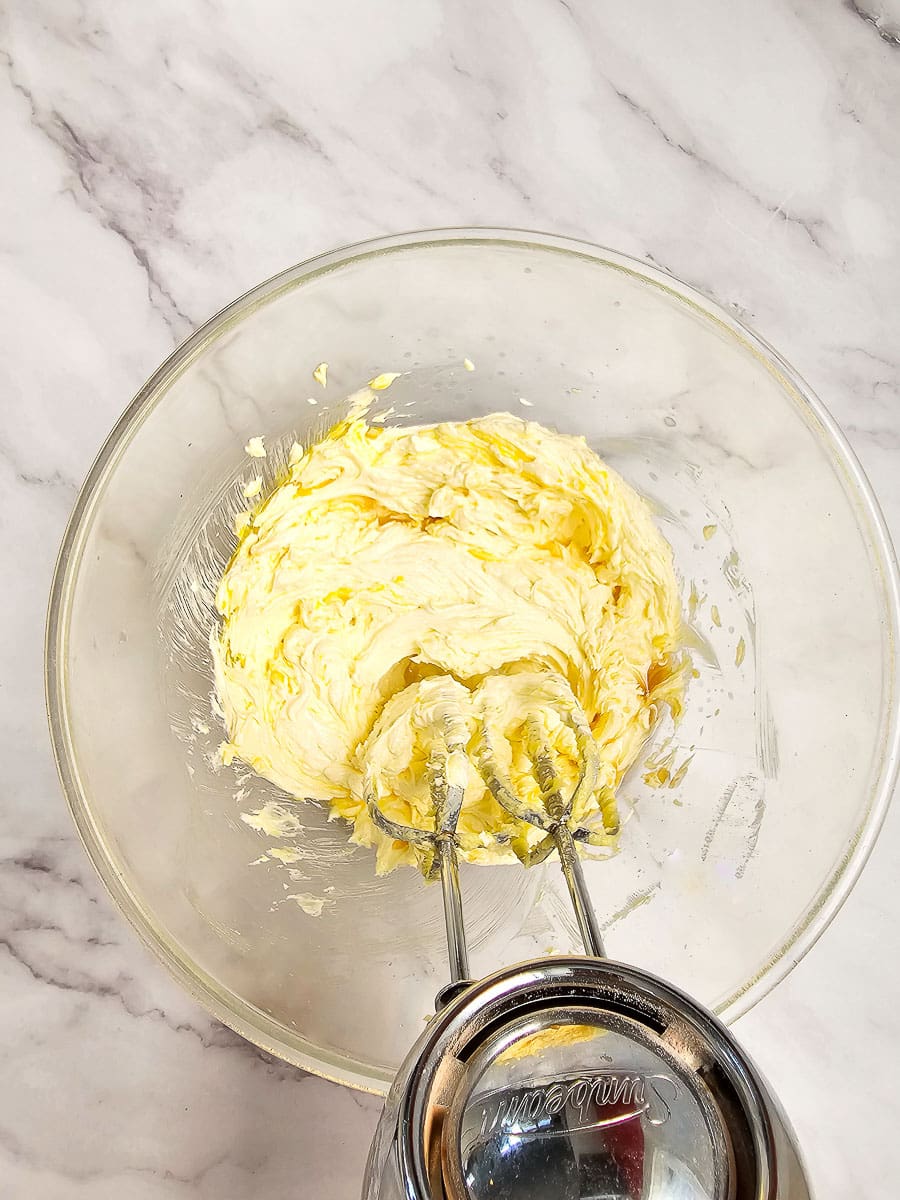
[{"x": 161, "y": 158}]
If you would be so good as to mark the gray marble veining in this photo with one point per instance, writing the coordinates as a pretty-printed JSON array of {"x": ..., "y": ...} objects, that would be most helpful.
[{"x": 160, "y": 159}]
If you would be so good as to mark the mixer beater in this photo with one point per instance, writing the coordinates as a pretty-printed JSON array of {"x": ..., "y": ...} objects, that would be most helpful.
[{"x": 575, "y": 1078}]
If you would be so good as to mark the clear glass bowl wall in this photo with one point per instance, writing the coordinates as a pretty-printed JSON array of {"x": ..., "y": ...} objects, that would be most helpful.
[{"x": 722, "y": 878}]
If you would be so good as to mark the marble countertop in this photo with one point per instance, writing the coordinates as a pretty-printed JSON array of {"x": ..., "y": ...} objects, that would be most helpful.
[{"x": 162, "y": 158}]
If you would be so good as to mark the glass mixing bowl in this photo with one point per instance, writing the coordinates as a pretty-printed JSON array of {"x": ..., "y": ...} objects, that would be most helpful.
[{"x": 744, "y": 826}]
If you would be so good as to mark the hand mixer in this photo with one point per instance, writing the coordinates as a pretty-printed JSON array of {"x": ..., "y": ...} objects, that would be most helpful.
[{"x": 564, "y": 1078}]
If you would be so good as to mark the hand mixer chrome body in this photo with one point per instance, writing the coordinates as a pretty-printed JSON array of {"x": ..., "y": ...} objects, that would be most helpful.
[{"x": 565, "y": 1077}]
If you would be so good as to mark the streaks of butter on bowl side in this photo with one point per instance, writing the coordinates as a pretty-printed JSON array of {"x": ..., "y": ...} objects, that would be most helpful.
[
  {"x": 695, "y": 601},
  {"x": 381, "y": 382},
  {"x": 313, "y": 906},
  {"x": 286, "y": 854},
  {"x": 660, "y": 770},
  {"x": 274, "y": 820},
  {"x": 242, "y": 523}
]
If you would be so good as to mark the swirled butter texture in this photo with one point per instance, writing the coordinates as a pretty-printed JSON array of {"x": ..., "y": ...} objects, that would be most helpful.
[{"x": 398, "y": 570}]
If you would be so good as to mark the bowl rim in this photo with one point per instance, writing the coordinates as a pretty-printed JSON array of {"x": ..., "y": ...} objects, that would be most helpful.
[{"x": 247, "y": 1020}]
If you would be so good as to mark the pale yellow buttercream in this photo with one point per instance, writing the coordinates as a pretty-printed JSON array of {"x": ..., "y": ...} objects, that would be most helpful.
[{"x": 392, "y": 562}]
